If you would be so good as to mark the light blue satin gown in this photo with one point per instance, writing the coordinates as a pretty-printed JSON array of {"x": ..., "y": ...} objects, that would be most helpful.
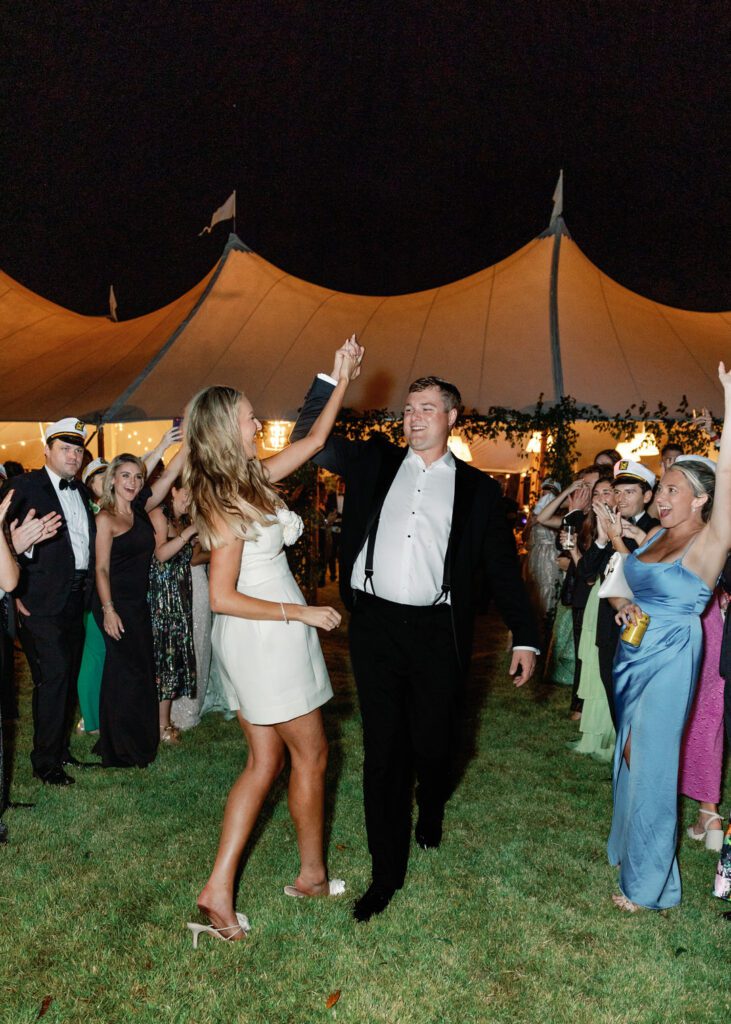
[{"x": 653, "y": 693}]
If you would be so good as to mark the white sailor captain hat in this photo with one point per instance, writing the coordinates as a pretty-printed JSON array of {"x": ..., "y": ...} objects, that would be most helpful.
[
  {"x": 708, "y": 463},
  {"x": 627, "y": 472},
  {"x": 94, "y": 467},
  {"x": 68, "y": 429}
]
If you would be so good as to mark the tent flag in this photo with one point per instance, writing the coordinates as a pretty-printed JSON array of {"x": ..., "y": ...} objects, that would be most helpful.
[
  {"x": 225, "y": 212},
  {"x": 557, "y": 200},
  {"x": 112, "y": 304}
]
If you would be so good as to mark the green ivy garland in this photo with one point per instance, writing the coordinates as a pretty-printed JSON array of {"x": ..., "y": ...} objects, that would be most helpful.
[{"x": 556, "y": 422}]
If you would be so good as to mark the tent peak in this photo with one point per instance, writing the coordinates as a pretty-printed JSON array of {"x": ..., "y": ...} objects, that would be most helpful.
[{"x": 234, "y": 243}]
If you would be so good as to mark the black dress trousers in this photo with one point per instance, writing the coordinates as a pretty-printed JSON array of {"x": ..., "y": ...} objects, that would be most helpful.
[
  {"x": 53, "y": 645},
  {"x": 409, "y": 686}
]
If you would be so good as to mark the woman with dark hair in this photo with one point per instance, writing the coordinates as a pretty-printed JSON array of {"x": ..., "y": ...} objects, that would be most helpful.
[
  {"x": 171, "y": 603},
  {"x": 264, "y": 636},
  {"x": 125, "y": 542},
  {"x": 607, "y": 457},
  {"x": 672, "y": 577}
]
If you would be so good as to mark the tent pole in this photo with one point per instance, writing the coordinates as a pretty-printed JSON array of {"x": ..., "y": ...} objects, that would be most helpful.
[{"x": 100, "y": 440}]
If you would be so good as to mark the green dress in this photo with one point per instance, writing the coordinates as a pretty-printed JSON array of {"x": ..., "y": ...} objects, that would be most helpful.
[
  {"x": 561, "y": 656},
  {"x": 89, "y": 682},
  {"x": 90, "y": 673},
  {"x": 597, "y": 732}
]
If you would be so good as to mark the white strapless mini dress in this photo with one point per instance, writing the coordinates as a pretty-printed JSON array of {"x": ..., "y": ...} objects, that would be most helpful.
[{"x": 270, "y": 670}]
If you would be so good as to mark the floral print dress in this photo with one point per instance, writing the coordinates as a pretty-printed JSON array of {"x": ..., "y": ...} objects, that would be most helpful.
[{"x": 171, "y": 605}]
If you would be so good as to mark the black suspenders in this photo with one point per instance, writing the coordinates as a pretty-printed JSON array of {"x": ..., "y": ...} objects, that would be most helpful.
[{"x": 443, "y": 594}]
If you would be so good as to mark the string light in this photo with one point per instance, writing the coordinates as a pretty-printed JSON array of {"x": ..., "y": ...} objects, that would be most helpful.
[
  {"x": 459, "y": 447},
  {"x": 275, "y": 434}
]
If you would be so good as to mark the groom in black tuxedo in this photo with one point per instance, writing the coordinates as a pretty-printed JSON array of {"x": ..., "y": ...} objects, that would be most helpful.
[
  {"x": 422, "y": 535},
  {"x": 56, "y": 580}
]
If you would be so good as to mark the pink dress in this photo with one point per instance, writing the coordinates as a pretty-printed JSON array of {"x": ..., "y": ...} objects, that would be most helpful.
[{"x": 701, "y": 753}]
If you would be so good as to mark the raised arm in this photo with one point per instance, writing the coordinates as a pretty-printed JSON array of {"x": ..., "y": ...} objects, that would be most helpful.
[
  {"x": 347, "y": 366},
  {"x": 166, "y": 547},
  {"x": 719, "y": 526},
  {"x": 550, "y": 516},
  {"x": 169, "y": 438},
  {"x": 166, "y": 479}
]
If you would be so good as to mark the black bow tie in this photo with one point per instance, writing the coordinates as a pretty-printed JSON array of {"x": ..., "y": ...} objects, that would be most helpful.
[{"x": 73, "y": 485}]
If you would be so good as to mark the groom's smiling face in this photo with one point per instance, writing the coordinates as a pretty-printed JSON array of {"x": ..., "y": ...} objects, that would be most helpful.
[{"x": 427, "y": 424}]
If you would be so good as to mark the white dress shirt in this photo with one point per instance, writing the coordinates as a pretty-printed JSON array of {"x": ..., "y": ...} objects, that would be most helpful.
[
  {"x": 77, "y": 522},
  {"x": 413, "y": 533}
]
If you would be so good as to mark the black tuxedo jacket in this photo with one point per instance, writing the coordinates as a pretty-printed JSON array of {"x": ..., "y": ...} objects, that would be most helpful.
[
  {"x": 594, "y": 562},
  {"x": 482, "y": 550},
  {"x": 46, "y": 577}
]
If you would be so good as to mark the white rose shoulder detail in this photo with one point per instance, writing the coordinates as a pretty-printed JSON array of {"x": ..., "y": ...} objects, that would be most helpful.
[{"x": 292, "y": 526}]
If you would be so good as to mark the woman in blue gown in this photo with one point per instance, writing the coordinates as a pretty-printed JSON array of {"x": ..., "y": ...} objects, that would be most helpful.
[{"x": 672, "y": 577}]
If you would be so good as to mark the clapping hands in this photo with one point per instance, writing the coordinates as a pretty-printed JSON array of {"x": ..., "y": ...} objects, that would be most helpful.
[{"x": 32, "y": 530}]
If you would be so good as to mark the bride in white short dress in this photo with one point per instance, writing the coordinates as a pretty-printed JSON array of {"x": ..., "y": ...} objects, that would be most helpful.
[
  {"x": 271, "y": 670},
  {"x": 264, "y": 640}
]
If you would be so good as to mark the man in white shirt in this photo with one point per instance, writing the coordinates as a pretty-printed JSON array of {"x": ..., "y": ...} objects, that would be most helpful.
[
  {"x": 57, "y": 575},
  {"x": 421, "y": 531}
]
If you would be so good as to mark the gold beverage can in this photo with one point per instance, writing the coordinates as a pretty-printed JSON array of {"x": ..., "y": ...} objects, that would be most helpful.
[{"x": 632, "y": 634}]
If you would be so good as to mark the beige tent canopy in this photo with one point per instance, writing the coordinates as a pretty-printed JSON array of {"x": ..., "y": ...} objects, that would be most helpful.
[{"x": 543, "y": 320}]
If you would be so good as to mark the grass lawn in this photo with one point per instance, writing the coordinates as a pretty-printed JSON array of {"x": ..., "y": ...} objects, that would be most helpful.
[{"x": 509, "y": 921}]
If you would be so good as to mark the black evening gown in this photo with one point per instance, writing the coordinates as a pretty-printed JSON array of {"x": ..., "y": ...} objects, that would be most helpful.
[{"x": 129, "y": 730}]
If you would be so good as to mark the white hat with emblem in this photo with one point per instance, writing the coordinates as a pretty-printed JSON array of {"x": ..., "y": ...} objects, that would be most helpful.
[
  {"x": 627, "y": 472},
  {"x": 68, "y": 429}
]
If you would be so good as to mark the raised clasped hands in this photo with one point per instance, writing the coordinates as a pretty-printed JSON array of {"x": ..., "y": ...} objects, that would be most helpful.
[
  {"x": 347, "y": 360},
  {"x": 33, "y": 530},
  {"x": 724, "y": 376}
]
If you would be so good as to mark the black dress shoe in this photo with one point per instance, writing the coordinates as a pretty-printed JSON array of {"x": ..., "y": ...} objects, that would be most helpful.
[
  {"x": 373, "y": 901},
  {"x": 56, "y": 777},
  {"x": 428, "y": 836},
  {"x": 75, "y": 763}
]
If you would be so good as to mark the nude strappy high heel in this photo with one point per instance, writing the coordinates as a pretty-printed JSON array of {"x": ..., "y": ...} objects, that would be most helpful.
[
  {"x": 713, "y": 836},
  {"x": 219, "y": 933}
]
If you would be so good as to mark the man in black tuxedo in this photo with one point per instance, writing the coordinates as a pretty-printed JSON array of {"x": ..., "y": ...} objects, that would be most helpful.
[
  {"x": 422, "y": 534},
  {"x": 633, "y": 490},
  {"x": 56, "y": 580}
]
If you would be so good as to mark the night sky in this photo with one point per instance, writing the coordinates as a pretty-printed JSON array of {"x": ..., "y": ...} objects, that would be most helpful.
[{"x": 375, "y": 147}]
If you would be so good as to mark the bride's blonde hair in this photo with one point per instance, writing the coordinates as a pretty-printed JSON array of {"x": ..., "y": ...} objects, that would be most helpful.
[{"x": 226, "y": 486}]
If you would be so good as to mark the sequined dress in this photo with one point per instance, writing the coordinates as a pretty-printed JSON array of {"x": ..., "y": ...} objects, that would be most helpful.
[
  {"x": 171, "y": 605},
  {"x": 186, "y": 711}
]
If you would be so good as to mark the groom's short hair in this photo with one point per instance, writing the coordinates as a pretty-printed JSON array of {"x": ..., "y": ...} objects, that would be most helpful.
[{"x": 449, "y": 392}]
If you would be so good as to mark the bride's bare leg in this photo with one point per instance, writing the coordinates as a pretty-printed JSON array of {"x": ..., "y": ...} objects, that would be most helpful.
[
  {"x": 265, "y": 762},
  {"x": 307, "y": 745}
]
